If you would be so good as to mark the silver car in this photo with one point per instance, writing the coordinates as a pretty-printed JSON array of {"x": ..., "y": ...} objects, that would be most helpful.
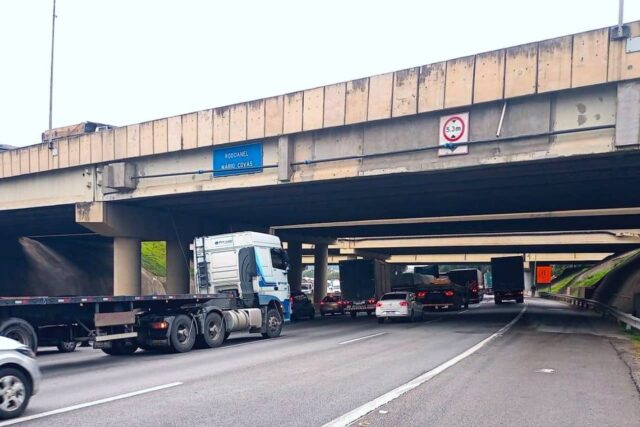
[{"x": 19, "y": 377}]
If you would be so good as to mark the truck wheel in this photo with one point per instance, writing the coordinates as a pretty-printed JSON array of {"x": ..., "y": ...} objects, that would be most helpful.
[
  {"x": 274, "y": 323},
  {"x": 121, "y": 348},
  {"x": 67, "y": 346},
  {"x": 15, "y": 392},
  {"x": 183, "y": 334},
  {"x": 354, "y": 313},
  {"x": 21, "y": 331},
  {"x": 214, "y": 332}
]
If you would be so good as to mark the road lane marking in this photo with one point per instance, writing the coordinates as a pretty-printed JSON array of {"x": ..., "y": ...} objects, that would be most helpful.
[
  {"x": 87, "y": 404},
  {"x": 363, "y": 410},
  {"x": 362, "y": 338}
]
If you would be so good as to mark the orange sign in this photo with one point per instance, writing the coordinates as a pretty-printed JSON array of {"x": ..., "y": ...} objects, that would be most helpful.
[{"x": 543, "y": 274}]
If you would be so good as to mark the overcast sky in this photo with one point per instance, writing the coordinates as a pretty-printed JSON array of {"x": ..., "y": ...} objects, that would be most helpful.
[{"x": 128, "y": 61}]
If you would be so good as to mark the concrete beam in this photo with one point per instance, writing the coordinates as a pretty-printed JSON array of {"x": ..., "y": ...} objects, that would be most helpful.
[
  {"x": 178, "y": 275},
  {"x": 604, "y": 237},
  {"x": 127, "y": 269},
  {"x": 331, "y": 259},
  {"x": 294, "y": 250},
  {"x": 465, "y": 218},
  {"x": 486, "y": 258},
  {"x": 628, "y": 114},
  {"x": 321, "y": 255},
  {"x": 118, "y": 220}
]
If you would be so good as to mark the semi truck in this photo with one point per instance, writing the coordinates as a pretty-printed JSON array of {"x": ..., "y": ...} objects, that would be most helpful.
[
  {"x": 240, "y": 286},
  {"x": 507, "y": 276},
  {"x": 363, "y": 282}
]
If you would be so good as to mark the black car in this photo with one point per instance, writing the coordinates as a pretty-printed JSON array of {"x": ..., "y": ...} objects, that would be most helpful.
[{"x": 301, "y": 306}]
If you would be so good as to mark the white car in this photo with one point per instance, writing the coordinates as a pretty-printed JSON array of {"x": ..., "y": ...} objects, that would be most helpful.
[
  {"x": 19, "y": 377},
  {"x": 399, "y": 305}
]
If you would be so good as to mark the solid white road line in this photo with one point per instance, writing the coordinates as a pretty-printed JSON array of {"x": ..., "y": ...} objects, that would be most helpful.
[
  {"x": 87, "y": 404},
  {"x": 362, "y": 338},
  {"x": 363, "y": 410}
]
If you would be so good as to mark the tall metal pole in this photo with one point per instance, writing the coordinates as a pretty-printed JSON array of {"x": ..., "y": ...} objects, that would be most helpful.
[
  {"x": 620, "y": 13},
  {"x": 53, "y": 34}
]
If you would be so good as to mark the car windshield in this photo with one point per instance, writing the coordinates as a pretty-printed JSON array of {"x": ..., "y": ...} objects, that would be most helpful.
[{"x": 394, "y": 296}]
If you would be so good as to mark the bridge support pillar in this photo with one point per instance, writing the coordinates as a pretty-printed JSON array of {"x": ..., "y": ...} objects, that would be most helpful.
[
  {"x": 321, "y": 254},
  {"x": 126, "y": 266},
  {"x": 294, "y": 250},
  {"x": 177, "y": 268}
]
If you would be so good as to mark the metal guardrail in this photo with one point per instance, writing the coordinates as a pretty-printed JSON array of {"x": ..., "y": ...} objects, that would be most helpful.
[{"x": 630, "y": 322}]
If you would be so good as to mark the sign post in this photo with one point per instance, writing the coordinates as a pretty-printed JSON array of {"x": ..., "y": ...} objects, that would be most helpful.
[{"x": 454, "y": 129}]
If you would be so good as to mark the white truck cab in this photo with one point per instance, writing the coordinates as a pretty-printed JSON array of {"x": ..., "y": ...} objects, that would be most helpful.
[{"x": 245, "y": 264}]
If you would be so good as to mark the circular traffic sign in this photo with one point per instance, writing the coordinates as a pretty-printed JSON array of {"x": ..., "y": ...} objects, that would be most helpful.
[{"x": 453, "y": 129}]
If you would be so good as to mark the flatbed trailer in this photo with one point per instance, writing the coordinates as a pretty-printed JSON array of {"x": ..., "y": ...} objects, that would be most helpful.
[
  {"x": 240, "y": 285},
  {"x": 121, "y": 324}
]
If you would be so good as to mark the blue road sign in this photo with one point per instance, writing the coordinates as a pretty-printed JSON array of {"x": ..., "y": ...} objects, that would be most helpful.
[{"x": 237, "y": 160}]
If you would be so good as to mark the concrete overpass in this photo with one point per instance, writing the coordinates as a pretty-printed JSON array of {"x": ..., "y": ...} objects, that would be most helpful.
[{"x": 551, "y": 127}]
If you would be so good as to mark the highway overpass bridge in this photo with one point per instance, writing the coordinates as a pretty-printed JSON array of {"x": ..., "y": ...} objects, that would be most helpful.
[{"x": 541, "y": 137}]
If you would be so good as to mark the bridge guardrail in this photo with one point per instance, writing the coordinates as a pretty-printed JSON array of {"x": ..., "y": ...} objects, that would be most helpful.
[{"x": 630, "y": 322}]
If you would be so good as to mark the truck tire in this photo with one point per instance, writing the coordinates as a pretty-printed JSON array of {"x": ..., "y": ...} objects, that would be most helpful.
[
  {"x": 214, "y": 332},
  {"x": 273, "y": 323},
  {"x": 67, "y": 346},
  {"x": 121, "y": 348},
  {"x": 14, "y": 404},
  {"x": 21, "y": 331},
  {"x": 183, "y": 334}
]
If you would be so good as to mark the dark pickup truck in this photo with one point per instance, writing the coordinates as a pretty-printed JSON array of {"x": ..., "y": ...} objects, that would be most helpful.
[{"x": 434, "y": 293}]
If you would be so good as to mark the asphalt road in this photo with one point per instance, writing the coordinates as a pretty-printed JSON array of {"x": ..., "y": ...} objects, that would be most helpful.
[{"x": 320, "y": 370}]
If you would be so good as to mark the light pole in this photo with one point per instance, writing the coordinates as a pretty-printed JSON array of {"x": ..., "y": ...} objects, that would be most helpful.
[{"x": 53, "y": 34}]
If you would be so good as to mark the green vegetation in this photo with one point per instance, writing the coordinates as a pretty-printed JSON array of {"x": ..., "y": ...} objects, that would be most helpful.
[
  {"x": 563, "y": 283},
  {"x": 154, "y": 258}
]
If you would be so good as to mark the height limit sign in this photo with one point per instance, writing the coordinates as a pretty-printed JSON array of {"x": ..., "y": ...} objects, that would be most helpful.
[{"x": 454, "y": 130}]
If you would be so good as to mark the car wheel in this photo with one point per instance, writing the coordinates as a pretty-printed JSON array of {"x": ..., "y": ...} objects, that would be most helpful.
[
  {"x": 312, "y": 315},
  {"x": 520, "y": 300},
  {"x": 322, "y": 314},
  {"x": 274, "y": 324},
  {"x": 183, "y": 334},
  {"x": 67, "y": 346},
  {"x": 381, "y": 320},
  {"x": 466, "y": 304},
  {"x": 214, "y": 331},
  {"x": 354, "y": 313},
  {"x": 21, "y": 331},
  {"x": 15, "y": 392}
]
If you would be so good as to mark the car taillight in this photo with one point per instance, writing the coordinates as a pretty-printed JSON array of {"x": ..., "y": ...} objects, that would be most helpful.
[
  {"x": 448, "y": 293},
  {"x": 321, "y": 302},
  {"x": 371, "y": 301},
  {"x": 421, "y": 294},
  {"x": 403, "y": 304},
  {"x": 379, "y": 304}
]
